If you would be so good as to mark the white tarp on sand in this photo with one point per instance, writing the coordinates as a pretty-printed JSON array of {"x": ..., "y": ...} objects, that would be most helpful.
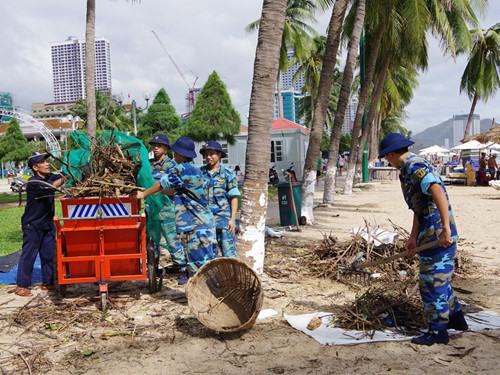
[{"x": 326, "y": 335}]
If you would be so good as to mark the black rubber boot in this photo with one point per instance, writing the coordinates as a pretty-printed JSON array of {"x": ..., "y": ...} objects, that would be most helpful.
[
  {"x": 431, "y": 338},
  {"x": 458, "y": 322}
]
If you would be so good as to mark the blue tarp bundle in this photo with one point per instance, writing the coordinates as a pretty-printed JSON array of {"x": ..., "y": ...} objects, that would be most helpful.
[{"x": 8, "y": 269}]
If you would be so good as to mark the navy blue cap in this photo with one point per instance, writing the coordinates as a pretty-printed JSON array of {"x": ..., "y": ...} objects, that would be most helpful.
[
  {"x": 184, "y": 146},
  {"x": 160, "y": 139},
  {"x": 36, "y": 158},
  {"x": 393, "y": 142},
  {"x": 212, "y": 145}
]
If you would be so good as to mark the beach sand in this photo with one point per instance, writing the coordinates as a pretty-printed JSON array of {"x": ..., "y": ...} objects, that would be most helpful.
[{"x": 158, "y": 334}]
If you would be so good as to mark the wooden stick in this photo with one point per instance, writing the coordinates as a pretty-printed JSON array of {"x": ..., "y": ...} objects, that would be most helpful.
[{"x": 378, "y": 262}]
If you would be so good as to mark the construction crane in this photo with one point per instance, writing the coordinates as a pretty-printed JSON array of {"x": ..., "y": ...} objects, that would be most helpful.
[{"x": 192, "y": 90}]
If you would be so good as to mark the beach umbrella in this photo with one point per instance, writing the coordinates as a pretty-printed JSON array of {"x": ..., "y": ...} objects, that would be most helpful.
[
  {"x": 433, "y": 150},
  {"x": 471, "y": 145}
]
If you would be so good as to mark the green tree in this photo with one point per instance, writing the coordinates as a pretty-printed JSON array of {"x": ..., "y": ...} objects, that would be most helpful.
[
  {"x": 110, "y": 114},
  {"x": 13, "y": 145},
  {"x": 160, "y": 118},
  {"x": 480, "y": 79},
  {"x": 214, "y": 116}
]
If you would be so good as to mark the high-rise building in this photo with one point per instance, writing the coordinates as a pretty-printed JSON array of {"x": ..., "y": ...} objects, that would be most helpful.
[
  {"x": 68, "y": 69},
  {"x": 6, "y": 104},
  {"x": 287, "y": 77},
  {"x": 350, "y": 115},
  {"x": 459, "y": 124},
  {"x": 291, "y": 105}
]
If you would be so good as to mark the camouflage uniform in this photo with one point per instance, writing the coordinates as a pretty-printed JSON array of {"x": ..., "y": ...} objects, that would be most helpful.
[
  {"x": 436, "y": 264},
  {"x": 169, "y": 240},
  {"x": 194, "y": 221},
  {"x": 221, "y": 187}
]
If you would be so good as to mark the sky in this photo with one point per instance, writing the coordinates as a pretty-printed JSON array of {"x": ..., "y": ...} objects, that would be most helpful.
[{"x": 202, "y": 36}]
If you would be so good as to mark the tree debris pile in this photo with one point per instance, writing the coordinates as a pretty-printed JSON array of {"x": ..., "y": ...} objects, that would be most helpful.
[
  {"x": 379, "y": 307},
  {"x": 334, "y": 259},
  {"x": 111, "y": 171}
]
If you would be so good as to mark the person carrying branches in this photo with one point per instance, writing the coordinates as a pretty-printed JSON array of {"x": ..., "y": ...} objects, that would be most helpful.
[{"x": 38, "y": 225}]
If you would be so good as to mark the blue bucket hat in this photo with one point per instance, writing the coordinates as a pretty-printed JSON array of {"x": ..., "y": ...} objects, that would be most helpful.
[
  {"x": 184, "y": 146},
  {"x": 212, "y": 145},
  {"x": 393, "y": 142},
  {"x": 36, "y": 158},
  {"x": 160, "y": 139}
]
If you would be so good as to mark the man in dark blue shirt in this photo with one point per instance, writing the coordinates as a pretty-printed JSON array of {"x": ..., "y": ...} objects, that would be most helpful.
[{"x": 37, "y": 224}]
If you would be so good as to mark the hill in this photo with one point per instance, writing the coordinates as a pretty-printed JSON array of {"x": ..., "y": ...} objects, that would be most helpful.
[{"x": 436, "y": 135}]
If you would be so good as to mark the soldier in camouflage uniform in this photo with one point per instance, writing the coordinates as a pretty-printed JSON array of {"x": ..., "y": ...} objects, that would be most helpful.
[
  {"x": 433, "y": 219},
  {"x": 194, "y": 221},
  {"x": 169, "y": 241},
  {"x": 223, "y": 193}
]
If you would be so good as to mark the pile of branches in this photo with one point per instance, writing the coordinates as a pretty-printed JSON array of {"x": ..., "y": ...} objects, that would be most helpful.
[
  {"x": 378, "y": 308},
  {"x": 335, "y": 259},
  {"x": 111, "y": 172}
]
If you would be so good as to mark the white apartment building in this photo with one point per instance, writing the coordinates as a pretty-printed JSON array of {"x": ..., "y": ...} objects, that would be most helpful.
[
  {"x": 68, "y": 69},
  {"x": 350, "y": 115},
  {"x": 287, "y": 76}
]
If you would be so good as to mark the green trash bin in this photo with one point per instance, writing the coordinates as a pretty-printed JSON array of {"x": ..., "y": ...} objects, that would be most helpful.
[{"x": 287, "y": 216}]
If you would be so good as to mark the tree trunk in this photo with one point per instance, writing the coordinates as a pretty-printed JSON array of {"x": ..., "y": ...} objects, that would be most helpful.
[
  {"x": 258, "y": 153},
  {"x": 373, "y": 142},
  {"x": 363, "y": 99},
  {"x": 469, "y": 119},
  {"x": 279, "y": 98},
  {"x": 376, "y": 94},
  {"x": 90, "y": 68},
  {"x": 320, "y": 108},
  {"x": 345, "y": 92}
]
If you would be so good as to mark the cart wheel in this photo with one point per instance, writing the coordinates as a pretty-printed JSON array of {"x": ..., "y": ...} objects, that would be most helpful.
[{"x": 104, "y": 301}]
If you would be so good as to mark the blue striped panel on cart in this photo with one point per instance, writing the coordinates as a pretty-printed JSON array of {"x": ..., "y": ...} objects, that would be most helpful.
[{"x": 99, "y": 210}]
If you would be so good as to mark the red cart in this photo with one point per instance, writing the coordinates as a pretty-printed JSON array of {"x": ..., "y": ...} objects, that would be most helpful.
[{"x": 101, "y": 240}]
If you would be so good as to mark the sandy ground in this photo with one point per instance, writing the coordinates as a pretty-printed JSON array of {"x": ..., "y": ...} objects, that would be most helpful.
[{"x": 157, "y": 334}]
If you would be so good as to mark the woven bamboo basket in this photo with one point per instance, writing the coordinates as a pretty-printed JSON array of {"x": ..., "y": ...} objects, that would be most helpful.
[{"x": 225, "y": 295}]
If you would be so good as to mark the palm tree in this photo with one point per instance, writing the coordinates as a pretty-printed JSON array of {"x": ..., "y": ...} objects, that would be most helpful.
[
  {"x": 90, "y": 68},
  {"x": 310, "y": 69},
  {"x": 345, "y": 93},
  {"x": 296, "y": 35},
  {"x": 321, "y": 106},
  {"x": 306, "y": 103},
  {"x": 258, "y": 153},
  {"x": 109, "y": 114},
  {"x": 446, "y": 19},
  {"x": 480, "y": 79}
]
